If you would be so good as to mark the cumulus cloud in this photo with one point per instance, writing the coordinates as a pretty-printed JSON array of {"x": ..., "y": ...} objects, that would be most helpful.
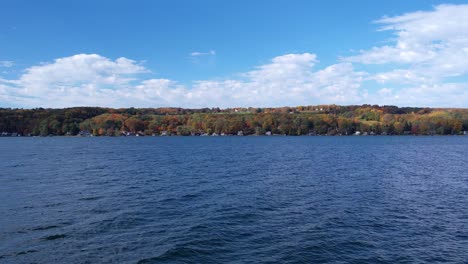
[
  {"x": 90, "y": 79},
  {"x": 420, "y": 36},
  {"x": 430, "y": 49},
  {"x": 429, "y": 45},
  {"x": 288, "y": 80},
  {"x": 446, "y": 94},
  {"x": 198, "y": 53},
  {"x": 426, "y": 65},
  {"x": 82, "y": 79}
]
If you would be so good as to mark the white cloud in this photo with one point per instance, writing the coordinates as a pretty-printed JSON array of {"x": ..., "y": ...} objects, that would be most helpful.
[
  {"x": 95, "y": 80},
  {"x": 6, "y": 64},
  {"x": 198, "y": 53},
  {"x": 421, "y": 36},
  {"x": 429, "y": 54},
  {"x": 83, "y": 79},
  {"x": 403, "y": 76},
  {"x": 429, "y": 45},
  {"x": 288, "y": 80},
  {"x": 447, "y": 94},
  {"x": 291, "y": 80},
  {"x": 430, "y": 48}
]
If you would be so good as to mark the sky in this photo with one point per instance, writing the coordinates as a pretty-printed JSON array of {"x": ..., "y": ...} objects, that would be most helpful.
[{"x": 240, "y": 53}]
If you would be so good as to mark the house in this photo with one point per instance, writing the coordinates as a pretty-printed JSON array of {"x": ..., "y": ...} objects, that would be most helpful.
[
  {"x": 240, "y": 133},
  {"x": 164, "y": 133},
  {"x": 357, "y": 133},
  {"x": 84, "y": 133},
  {"x": 127, "y": 134},
  {"x": 268, "y": 133}
]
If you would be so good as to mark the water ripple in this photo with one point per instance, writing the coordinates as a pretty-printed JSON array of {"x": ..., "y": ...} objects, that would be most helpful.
[{"x": 234, "y": 200}]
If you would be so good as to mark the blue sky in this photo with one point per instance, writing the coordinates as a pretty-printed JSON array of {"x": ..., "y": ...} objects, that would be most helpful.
[{"x": 220, "y": 53}]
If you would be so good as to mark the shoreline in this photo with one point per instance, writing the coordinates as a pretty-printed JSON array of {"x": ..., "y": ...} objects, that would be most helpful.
[{"x": 231, "y": 136}]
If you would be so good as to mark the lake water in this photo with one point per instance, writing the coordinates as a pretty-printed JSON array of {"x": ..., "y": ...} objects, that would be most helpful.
[{"x": 234, "y": 200}]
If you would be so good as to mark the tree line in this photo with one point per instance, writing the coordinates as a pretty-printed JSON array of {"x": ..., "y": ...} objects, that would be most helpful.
[{"x": 300, "y": 120}]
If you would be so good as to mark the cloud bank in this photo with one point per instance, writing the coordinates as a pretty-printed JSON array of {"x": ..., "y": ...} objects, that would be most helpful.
[
  {"x": 430, "y": 52},
  {"x": 428, "y": 62}
]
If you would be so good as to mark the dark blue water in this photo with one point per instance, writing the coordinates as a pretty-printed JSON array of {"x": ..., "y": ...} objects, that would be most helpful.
[{"x": 234, "y": 200}]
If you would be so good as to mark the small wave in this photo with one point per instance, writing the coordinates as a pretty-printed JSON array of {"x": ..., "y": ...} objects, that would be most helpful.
[
  {"x": 40, "y": 228},
  {"x": 25, "y": 252},
  {"x": 177, "y": 253},
  {"x": 53, "y": 205},
  {"x": 99, "y": 211},
  {"x": 190, "y": 196},
  {"x": 54, "y": 237},
  {"x": 124, "y": 221},
  {"x": 199, "y": 228},
  {"x": 93, "y": 198}
]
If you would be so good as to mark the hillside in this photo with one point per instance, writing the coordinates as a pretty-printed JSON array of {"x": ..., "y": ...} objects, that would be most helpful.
[{"x": 301, "y": 120}]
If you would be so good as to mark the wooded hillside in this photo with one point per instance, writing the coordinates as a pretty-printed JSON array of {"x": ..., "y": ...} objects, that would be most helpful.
[{"x": 301, "y": 120}]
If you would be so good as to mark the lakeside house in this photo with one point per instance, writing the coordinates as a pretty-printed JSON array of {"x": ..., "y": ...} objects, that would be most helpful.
[
  {"x": 240, "y": 133},
  {"x": 268, "y": 133},
  {"x": 7, "y": 134},
  {"x": 84, "y": 133},
  {"x": 126, "y": 133}
]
